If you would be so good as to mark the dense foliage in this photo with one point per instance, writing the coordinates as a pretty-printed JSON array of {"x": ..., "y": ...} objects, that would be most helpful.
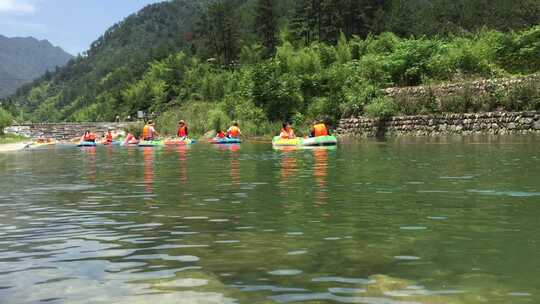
[
  {"x": 263, "y": 61},
  {"x": 5, "y": 120}
]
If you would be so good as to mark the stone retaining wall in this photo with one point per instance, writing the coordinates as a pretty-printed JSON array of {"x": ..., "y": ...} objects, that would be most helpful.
[
  {"x": 64, "y": 131},
  {"x": 442, "y": 124}
]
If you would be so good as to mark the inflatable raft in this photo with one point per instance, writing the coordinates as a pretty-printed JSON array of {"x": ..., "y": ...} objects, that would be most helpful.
[
  {"x": 305, "y": 142},
  {"x": 87, "y": 144},
  {"x": 285, "y": 142},
  {"x": 225, "y": 141},
  {"x": 150, "y": 143},
  {"x": 179, "y": 142},
  {"x": 320, "y": 141}
]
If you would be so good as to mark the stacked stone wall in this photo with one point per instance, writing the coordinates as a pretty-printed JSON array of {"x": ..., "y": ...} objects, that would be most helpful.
[
  {"x": 64, "y": 131},
  {"x": 442, "y": 124}
]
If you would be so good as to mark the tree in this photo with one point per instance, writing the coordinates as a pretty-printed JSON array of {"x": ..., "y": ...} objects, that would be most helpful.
[
  {"x": 266, "y": 25},
  {"x": 219, "y": 31}
]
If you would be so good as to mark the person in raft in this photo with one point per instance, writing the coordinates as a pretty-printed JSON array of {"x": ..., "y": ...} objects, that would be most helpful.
[
  {"x": 319, "y": 129},
  {"x": 234, "y": 131},
  {"x": 149, "y": 132},
  {"x": 287, "y": 132},
  {"x": 130, "y": 139},
  {"x": 108, "y": 137},
  {"x": 88, "y": 136},
  {"x": 220, "y": 134},
  {"x": 182, "y": 130}
]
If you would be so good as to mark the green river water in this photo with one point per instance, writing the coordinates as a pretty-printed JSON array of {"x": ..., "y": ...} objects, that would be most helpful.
[{"x": 405, "y": 221}]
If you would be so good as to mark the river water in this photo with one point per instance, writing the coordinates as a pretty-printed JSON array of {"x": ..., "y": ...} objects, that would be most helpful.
[{"x": 405, "y": 221}]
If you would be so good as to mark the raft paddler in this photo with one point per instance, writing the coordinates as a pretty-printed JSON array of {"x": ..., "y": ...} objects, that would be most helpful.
[
  {"x": 287, "y": 132},
  {"x": 234, "y": 131},
  {"x": 220, "y": 134},
  {"x": 182, "y": 130},
  {"x": 149, "y": 132},
  {"x": 108, "y": 137},
  {"x": 319, "y": 129},
  {"x": 88, "y": 136},
  {"x": 130, "y": 139}
]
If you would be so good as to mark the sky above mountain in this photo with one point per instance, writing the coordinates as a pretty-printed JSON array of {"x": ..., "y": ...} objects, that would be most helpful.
[{"x": 70, "y": 24}]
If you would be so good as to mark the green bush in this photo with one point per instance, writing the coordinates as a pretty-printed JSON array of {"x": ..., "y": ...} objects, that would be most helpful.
[
  {"x": 218, "y": 120},
  {"x": 357, "y": 96},
  {"x": 523, "y": 97},
  {"x": 381, "y": 107},
  {"x": 425, "y": 104},
  {"x": 195, "y": 114},
  {"x": 135, "y": 129},
  {"x": 520, "y": 52},
  {"x": 5, "y": 120}
]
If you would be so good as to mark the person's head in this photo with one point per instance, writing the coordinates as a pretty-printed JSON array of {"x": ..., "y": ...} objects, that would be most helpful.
[
  {"x": 235, "y": 123},
  {"x": 181, "y": 123},
  {"x": 150, "y": 122},
  {"x": 286, "y": 125},
  {"x": 87, "y": 132}
]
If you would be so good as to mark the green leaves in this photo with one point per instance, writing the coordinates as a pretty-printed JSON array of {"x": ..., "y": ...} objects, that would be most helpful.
[{"x": 5, "y": 120}]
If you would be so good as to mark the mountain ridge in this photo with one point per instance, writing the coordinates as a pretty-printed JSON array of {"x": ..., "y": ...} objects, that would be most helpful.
[{"x": 23, "y": 59}]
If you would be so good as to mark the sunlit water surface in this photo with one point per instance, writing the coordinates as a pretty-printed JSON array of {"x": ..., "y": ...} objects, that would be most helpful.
[{"x": 406, "y": 221}]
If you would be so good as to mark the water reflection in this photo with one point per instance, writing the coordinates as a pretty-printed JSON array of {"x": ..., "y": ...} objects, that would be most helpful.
[
  {"x": 288, "y": 168},
  {"x": 148, "y": 158},
  {"x": 235, "y": 162},
  {"x": 90, "y": 163},
  {"x": 320, "y": 174},
  {"x": 182, "y": 151}
]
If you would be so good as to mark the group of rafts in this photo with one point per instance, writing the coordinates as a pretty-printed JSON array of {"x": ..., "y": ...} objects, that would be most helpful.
[{"x": 319, "y": 136}]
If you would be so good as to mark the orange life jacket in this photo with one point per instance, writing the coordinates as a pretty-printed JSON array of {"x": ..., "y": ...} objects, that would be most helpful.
[
  {"x": 320, "y": 130},
  {"x": 234, "y": 132},
  {"x": 108, "y": 137},
  {"x": 147, "y": 132},
  {"x": 89, "y": 137},
  {"x": 182, "y": 132},
  {"x": 221, "y": 135}
]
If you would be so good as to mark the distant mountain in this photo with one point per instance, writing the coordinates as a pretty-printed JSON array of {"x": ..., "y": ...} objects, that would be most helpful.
[{"x": 25, "y": 59}]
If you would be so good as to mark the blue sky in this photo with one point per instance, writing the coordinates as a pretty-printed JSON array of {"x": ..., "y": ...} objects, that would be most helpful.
[{"x": 70, "y": 24}]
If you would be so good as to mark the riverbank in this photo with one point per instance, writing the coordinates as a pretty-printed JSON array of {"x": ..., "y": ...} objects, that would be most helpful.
[
  {"x": 12, "y": 139},
  {"x": 9, "y": 143}
]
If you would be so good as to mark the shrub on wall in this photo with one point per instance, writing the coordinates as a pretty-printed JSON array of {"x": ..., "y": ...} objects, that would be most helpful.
[{"x": 5, "y": 120}]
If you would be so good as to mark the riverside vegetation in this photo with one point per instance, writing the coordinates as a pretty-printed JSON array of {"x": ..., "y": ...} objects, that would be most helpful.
[{"x": 311, "y": 61}]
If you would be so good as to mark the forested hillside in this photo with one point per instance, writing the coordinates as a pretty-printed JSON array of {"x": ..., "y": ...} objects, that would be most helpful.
[
  {"x": 25, "y": 59},
  {"x": 262, "y": 61}
]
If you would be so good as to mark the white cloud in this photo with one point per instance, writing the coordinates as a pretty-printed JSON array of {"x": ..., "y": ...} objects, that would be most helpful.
[{"x": 16, "y": 6}]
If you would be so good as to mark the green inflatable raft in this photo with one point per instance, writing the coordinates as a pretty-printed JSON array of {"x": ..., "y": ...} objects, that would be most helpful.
[{"x": 321, "y": 141}]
